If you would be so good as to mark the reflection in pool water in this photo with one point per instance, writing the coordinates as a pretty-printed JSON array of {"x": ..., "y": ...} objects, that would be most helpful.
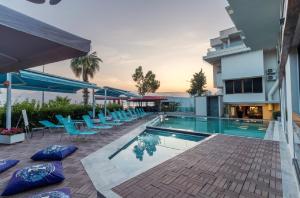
[
  {"x": 146, "y": 142},
  {"x": 151, "y": 147}
]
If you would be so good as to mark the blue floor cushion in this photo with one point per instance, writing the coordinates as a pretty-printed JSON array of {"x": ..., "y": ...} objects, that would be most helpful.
[
  {"x": 59, "y": 193},
  {"x": 54, "y": 153},
  {"x": 34, "y": 176},
  {"x": 7, "y": 164}
]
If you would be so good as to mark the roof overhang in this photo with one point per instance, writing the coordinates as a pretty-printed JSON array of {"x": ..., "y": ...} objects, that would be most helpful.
[
  {"x": 26, "y": 42},
  {"x": 259, "y": 21}
]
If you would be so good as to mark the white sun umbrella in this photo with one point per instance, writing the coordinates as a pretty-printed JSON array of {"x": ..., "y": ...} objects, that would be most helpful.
[{"x": 26, "y": 42}]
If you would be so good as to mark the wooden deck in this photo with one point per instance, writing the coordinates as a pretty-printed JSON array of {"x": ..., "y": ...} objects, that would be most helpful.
[
  {"x": 223, "y": 166},
  {"x": 76, "y": 178}
]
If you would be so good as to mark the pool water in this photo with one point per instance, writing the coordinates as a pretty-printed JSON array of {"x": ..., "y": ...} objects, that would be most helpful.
[
  {"x": 152, "y": 147},
  {"x": 242, "y": 128}
]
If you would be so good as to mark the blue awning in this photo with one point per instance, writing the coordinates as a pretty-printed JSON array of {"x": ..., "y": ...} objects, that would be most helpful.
[
  {"x": 38, "y": 81},
  {"x": 113, "y": 92}
]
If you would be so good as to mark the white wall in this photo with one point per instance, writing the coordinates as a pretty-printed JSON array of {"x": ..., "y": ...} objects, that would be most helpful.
[
  {"x": 289, "y": 101},
  {"x": 244, "y": 98},
  {"x": 250, "y": 64},
  {"x": 201, "y": 106}
]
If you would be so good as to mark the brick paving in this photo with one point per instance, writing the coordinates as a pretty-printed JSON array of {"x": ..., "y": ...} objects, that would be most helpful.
[
  {"x": 223, "y": 166},
  {"x": 76, "y": 178}
]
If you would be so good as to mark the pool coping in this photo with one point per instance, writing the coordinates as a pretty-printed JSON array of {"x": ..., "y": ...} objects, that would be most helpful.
[{"x": 105, "y": 175}]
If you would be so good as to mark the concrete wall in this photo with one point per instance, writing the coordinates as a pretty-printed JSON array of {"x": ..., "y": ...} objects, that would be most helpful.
[
  {"x": 250, "y": 64},
  {"x": 201, "y": 106}
]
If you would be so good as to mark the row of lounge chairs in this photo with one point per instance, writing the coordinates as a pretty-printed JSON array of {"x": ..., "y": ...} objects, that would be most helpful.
[{"x": 93, "y": 126}]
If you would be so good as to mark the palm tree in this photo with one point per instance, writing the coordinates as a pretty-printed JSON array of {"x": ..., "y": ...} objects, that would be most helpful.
[{"x": 86, "y": 67}]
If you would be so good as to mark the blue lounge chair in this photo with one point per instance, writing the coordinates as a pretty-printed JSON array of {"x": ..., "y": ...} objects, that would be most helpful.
[
  {"x": 143, "y": 111},
  {"x": 60, "y": 119},
  {"x": 105, "y": 122},
  {"x": 124, "y": 113},
  {"x": 135, "y": 113},
  {"x": 132, "y": 114},
  {"x": 72, "y": 131},
  {"x": 89, "y": 123},
  {"x": 139, "y": 113},
  {"x": 121, "y": 117},
  {"x": 49, "y": 124},
  {"x": 90, "y": 114},
  {"x": 115, "y": 117}
]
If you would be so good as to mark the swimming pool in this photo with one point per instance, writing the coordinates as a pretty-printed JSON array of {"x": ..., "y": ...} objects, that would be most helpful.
[
  {"x": 242, "y": 128},
  {"x": 150, "y": 147}
]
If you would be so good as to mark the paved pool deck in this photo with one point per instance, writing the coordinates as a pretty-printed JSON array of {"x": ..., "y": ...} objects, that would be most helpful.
[
  {"x": 223, "y": 166},
  {"x": 76, "y": 177}
]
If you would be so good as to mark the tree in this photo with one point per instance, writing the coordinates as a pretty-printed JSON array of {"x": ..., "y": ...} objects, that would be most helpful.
[
  {"x": 59, "y": 101},
  {"x": 86, "y": 67},
  {"x": 147, "y": 83},
  {"x": 198, "y": 84}
]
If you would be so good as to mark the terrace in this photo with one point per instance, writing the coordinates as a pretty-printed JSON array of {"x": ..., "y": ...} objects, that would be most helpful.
[
  {"x": 141, "y": 153},
  {"x": 220, "y": 166}
]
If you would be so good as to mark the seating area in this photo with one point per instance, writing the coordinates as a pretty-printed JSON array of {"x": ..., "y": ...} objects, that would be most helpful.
[{"x": 69, "y": 151}]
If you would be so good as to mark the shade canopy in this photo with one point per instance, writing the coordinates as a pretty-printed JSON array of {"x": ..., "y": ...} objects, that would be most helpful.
[
  {"x": 38, "y": 81},
  {"x": 26, "y": 42},
  {"x": 148, "y": 99},
  {"x": 113, "y": 92},
  {"x": 110, "y": 98}
]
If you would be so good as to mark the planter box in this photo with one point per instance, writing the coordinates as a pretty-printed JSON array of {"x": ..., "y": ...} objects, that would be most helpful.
[{"x": 11, "y": 139}]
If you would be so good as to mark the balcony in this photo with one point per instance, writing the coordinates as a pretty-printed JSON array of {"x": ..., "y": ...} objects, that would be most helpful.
[{"x": 214, "y": 55}]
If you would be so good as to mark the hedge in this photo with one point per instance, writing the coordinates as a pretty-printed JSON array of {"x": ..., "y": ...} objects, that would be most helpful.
[{"x": 36, "y": 112}]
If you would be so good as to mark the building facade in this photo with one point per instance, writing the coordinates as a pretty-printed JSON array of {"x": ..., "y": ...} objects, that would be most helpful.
[
  {"x": 247, "y": 79},
  {"x": 277, "y": 22}
]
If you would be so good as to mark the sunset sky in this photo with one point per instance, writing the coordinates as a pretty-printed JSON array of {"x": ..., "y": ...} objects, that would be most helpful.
[{"x": 168, "y": 37}]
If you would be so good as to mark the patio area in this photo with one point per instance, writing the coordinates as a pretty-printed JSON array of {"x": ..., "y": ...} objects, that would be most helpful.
[
  {"x": 76, "y": 178},
  {"x": 223, "y": 166}
]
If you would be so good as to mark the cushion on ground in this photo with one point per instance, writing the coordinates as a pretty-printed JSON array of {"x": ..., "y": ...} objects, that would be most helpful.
[
  {"x": 7, "y": 164},
  {"x": 59, "y": 193},
  {"x": 34, "y": 176},
  {"x": 54, "y": 153}
]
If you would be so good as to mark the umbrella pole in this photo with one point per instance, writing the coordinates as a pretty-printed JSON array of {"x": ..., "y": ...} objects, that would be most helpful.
[
  {"x": 105, "y": 98},
  {"x": 8, "y": 101},
  {"x": 94, "y": 104}
]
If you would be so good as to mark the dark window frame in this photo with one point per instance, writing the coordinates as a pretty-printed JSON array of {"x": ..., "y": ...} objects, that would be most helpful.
[{"x": 255, "y": 87}]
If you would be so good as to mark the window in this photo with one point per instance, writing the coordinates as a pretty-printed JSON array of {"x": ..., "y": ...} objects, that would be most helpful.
[
  {"x": 238, "y": 86},
  {"x": 229, "y": 86},
  {"x": 247, "y": 85},
  {"x": 257, "y": 85}
]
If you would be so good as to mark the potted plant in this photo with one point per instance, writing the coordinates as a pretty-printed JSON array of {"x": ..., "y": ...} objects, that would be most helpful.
[{"x": 11, "y": 136}]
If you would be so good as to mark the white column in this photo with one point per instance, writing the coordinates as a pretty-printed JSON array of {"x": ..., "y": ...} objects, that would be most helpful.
[
  {"x": 105, "y": 98},
  {"x": 94, "y": 104},
  {"x": 8, "y": 102}
]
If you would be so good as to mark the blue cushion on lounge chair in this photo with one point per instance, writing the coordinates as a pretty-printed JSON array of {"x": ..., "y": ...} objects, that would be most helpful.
[
  {"x": 34, "y": 176},
  {"x": 59, "y": 193},
  {"x": 7, "y": 164},
  {"x": 54, "y": 153}
]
